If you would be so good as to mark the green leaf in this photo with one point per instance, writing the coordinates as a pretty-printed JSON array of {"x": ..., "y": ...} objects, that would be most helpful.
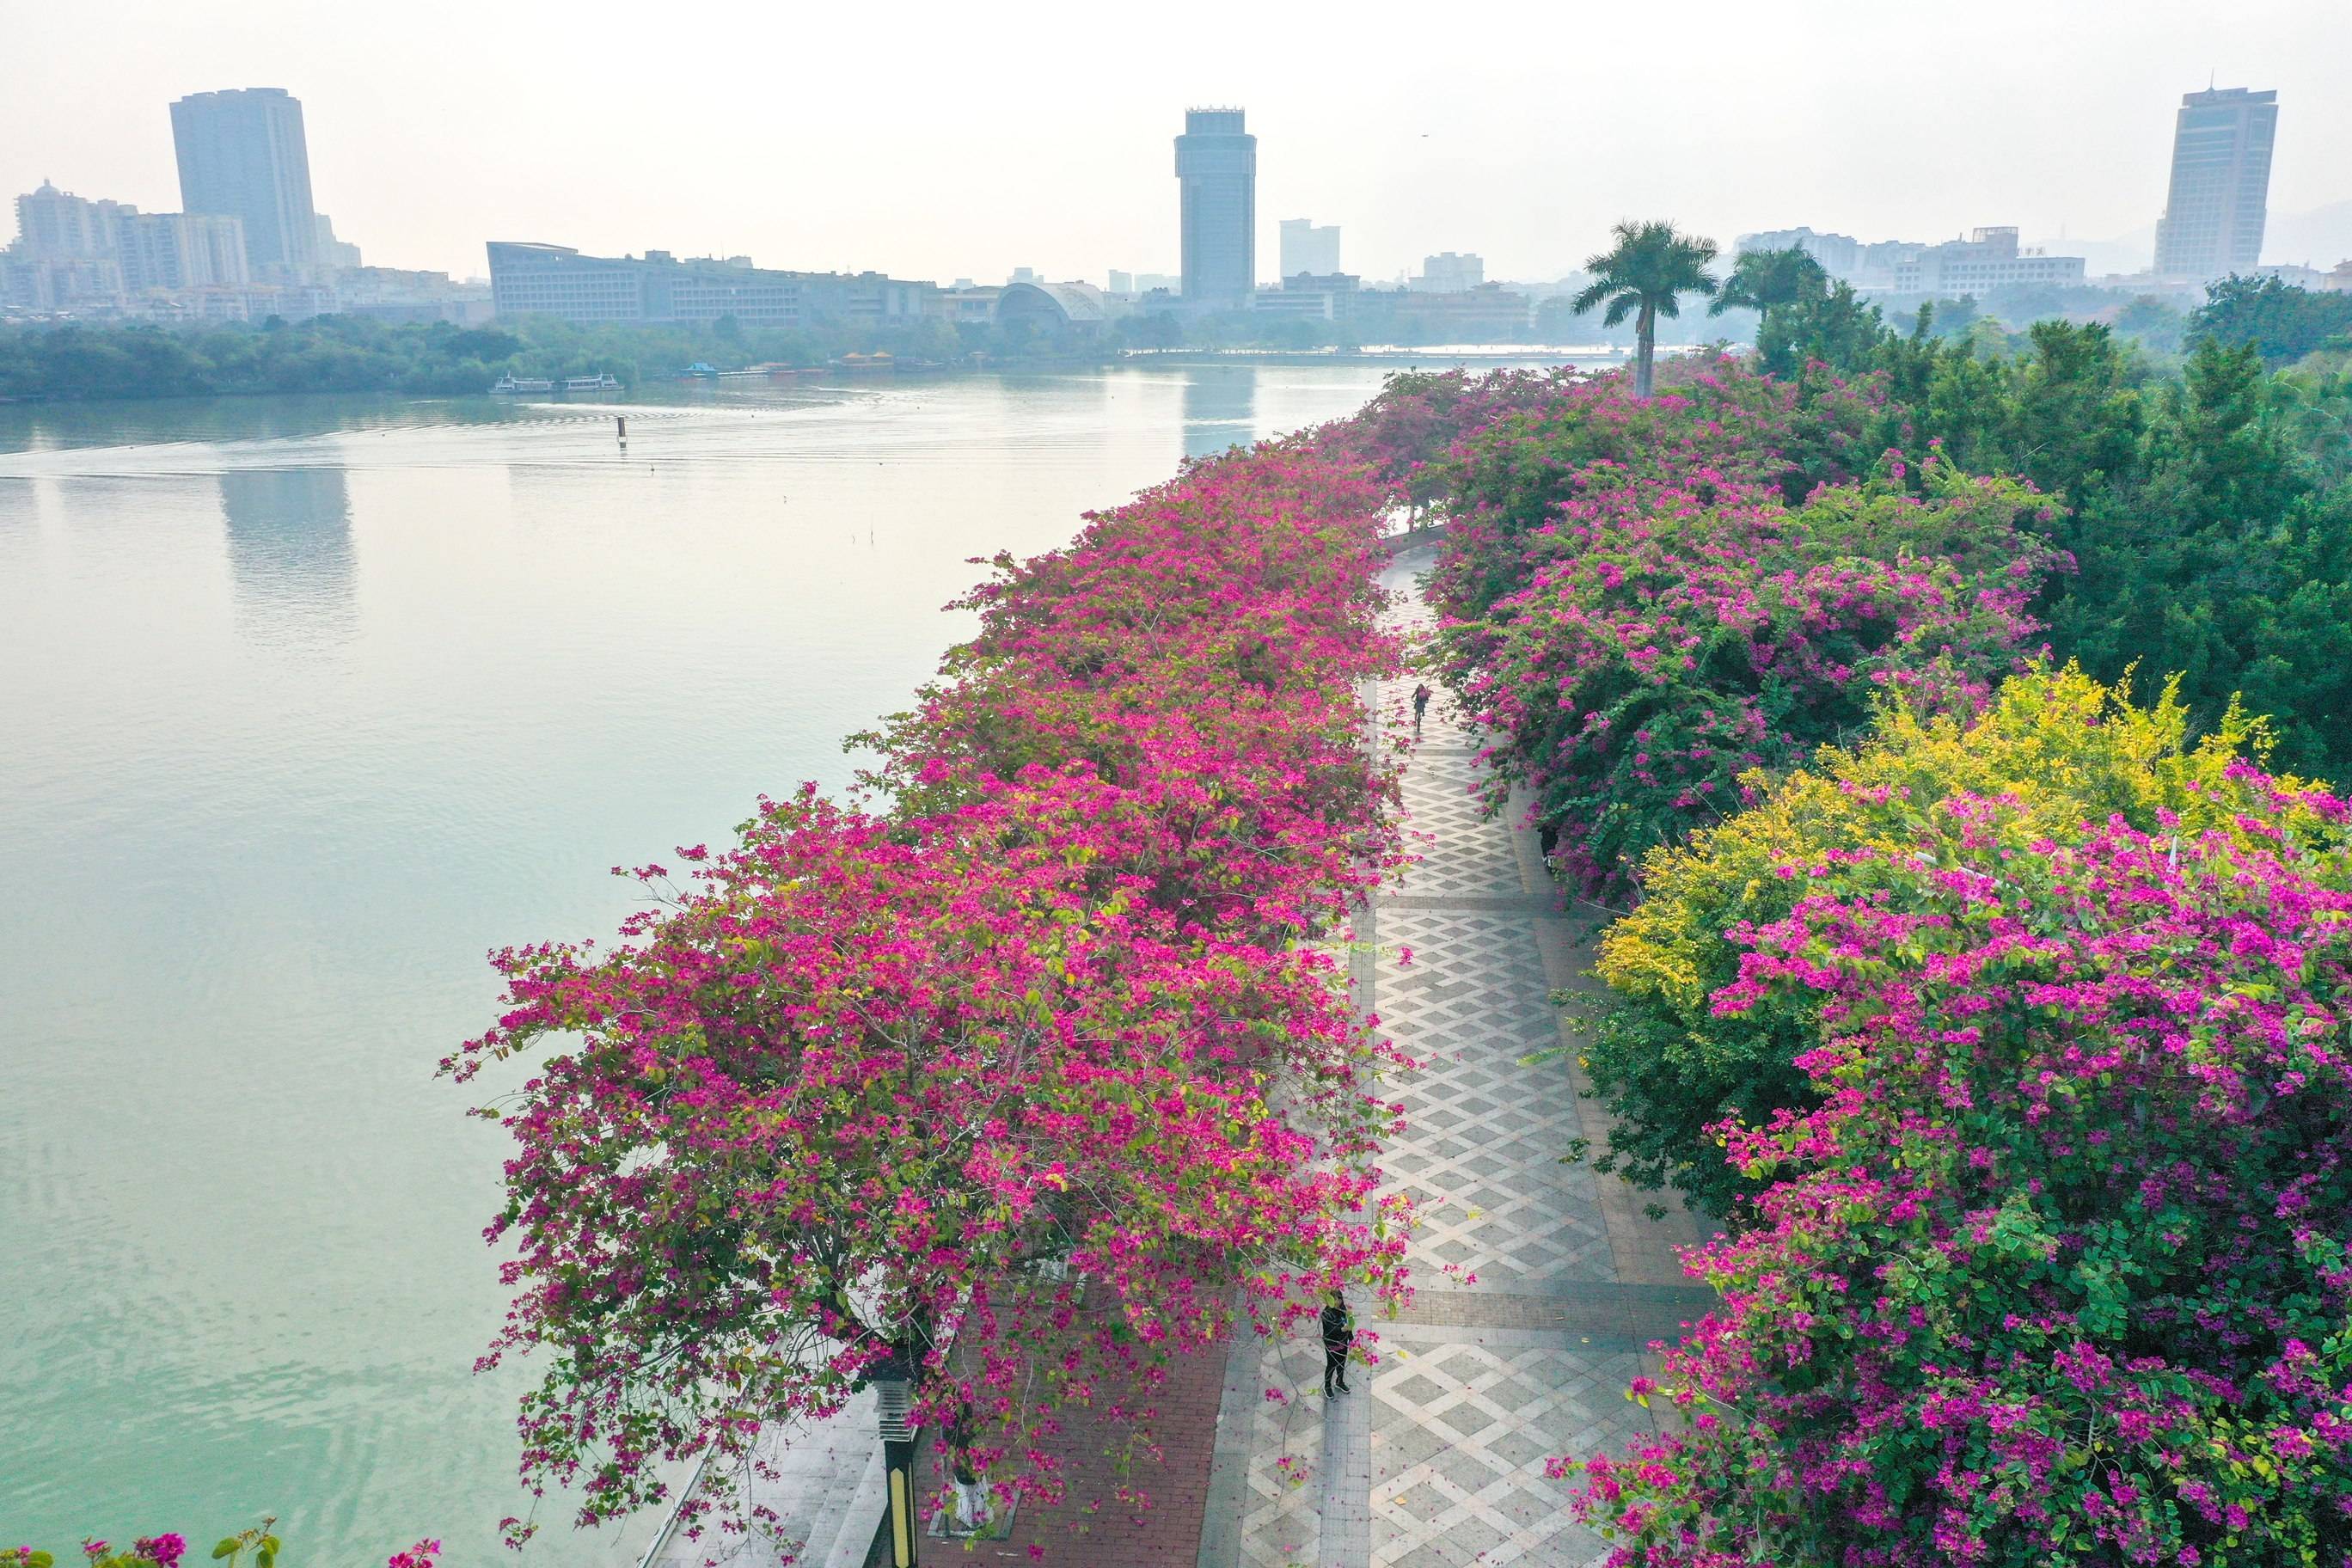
[{"x": 226, "y": 1549}]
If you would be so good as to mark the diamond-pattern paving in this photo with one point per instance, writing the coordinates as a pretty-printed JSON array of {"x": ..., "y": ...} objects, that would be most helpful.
[{"x": 1471, "y": 1397}]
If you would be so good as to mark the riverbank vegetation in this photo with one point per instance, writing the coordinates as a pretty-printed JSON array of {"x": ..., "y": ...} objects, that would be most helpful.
[
  {"x": 352, "y": 354},
  {"x": 1952, "y": 721},
  {"x": 1018, "y": 1076}
]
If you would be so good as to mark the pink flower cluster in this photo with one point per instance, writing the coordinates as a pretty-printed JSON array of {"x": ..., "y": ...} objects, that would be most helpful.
[
  {"x": 1019, "y": 1082},
  {"x": 2058, "y": 1266},
  {"x": 1638, "y": 616}
]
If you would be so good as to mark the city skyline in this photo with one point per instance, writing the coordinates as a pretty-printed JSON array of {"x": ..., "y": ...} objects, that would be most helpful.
[
  {"x": 245, "y": 179},
  {"x": 427, "y": 152}
]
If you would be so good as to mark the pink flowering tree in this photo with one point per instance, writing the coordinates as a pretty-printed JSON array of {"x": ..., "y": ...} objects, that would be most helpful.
[
  {"x": 1677, "y": 632},
  {"x": 1207, "y": 672},
  {"x": 2056, "y": 1270},
  {"x": 1021, "y": 1082},
  {"x": 1502, "y": 480}
]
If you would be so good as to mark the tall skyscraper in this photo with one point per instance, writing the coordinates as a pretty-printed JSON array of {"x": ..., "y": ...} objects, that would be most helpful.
[
  {"x": 1216, "y": 161},
  {"x": 2219, "y": 196},
  {"x": 242, "y": 152},
  {"x": 60, "y": 225},
  {"x": 1310, "y": 247}
]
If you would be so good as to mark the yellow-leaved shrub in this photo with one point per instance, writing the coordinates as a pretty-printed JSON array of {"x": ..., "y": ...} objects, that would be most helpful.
[{"x": 2066, "y": 748}]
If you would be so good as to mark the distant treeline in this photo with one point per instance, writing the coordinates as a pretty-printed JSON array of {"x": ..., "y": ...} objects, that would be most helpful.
[
  {"x": 349, "y": 353},
  {"x": 346, "y": 353},
  {"x": 2289, "y": 322}
]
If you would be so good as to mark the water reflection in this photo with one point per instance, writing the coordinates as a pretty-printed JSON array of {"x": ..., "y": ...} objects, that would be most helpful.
[
  {"x": 538, "y": 655},
  {"x": 1220, "y": 407},
  {"x": 290, "y": 560}
]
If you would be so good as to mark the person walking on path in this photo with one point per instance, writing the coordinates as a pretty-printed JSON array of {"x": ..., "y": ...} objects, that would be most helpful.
[
  {"x": 1421, "y": 695},
  {"x": 1338, "y": 1335}
]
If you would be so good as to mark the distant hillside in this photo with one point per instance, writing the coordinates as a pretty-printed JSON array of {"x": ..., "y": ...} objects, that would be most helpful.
[
  {"x": 2125, "y": 253},
  {"x": 2320, "y": 237}
]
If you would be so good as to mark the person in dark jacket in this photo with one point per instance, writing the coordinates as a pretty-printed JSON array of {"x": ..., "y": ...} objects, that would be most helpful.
[
  {"x": 1338, "y": 1335},
  {"x": 1421, "y": 696}
]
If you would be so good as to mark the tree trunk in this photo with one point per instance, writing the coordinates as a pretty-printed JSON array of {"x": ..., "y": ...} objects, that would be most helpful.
[{"x": 1645, "y": 332}]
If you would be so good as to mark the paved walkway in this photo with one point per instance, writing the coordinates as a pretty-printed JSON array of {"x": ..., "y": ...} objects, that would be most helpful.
[{"x": 1538, "y": 1284}]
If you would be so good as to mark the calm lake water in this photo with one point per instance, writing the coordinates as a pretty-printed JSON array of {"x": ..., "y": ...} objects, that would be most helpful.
[{"x": 307, "y": 703}]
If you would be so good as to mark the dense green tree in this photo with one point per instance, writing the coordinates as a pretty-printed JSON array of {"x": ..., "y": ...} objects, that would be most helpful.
[
  {"x": 1836, "y": 327},
  {"x": 1154, "y": 330},
  {"x": 1941, "y": 318},
  {"x": 2206, "y": 514},
  {"x": 352, "y": 354},
  {"x": 1645, "y": 275},
  {"x": 2283, "y": 322},
  {"x": 2315, "y": 408},
  {"x": 2152, "y": 323}
]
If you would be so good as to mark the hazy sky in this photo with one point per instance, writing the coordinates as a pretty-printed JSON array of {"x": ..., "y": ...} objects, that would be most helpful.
[{"x": 938, "y": 142}]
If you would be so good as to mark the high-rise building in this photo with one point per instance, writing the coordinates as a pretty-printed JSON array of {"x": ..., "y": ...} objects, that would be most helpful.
[
  {"x": 242, "y": 152},
  {"x": 56, "y": 225},
  {"x": 63, "y": 256},
  {"x": 1450, "y": 272},
  {"x": 1310, "y": 247},
  {"x": 1216, "y": 161},
  {"x": 2219, "y": 195},
  {"x": 174, "y": 251},
  {"x": 95, "y": 253}
]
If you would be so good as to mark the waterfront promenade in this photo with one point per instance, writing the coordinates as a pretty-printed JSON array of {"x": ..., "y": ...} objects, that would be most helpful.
[{"x": 1540, "y": 1284}]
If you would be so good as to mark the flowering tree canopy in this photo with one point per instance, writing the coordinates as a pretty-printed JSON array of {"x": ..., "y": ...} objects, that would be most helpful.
[
  {"x": 2070, "y": 753},
  {"x": 2056, "y": 1269},
  {"x": 1636, "y": 635},
  {"x": 2005, "y": 1023},
  {"x": 1019, "y": 1084}
]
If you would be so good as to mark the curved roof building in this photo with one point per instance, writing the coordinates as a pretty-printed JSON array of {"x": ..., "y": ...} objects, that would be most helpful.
[{"x": 1053, "y": 308}]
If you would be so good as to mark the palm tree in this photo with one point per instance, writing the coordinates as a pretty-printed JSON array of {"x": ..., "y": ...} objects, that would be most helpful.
[
  {"x": 1761, "y": 280},
  {"x": 1645, "y": 275}
]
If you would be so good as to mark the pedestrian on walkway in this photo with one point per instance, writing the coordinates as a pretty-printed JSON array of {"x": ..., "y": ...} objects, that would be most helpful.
[
  {"x": 1338, "y": 1335},
  {"x": 1421, "y": 696}
]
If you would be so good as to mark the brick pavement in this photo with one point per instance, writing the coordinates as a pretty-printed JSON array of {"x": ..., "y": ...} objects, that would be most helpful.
[
  {"x": 1540, "y": 1284},
  {"x": 1091, "y": 1526}
]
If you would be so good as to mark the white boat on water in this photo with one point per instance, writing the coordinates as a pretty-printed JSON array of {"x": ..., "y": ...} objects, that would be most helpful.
[
  {"x": 605, "y": 382},
  {"x": 512, "y": 384}
]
